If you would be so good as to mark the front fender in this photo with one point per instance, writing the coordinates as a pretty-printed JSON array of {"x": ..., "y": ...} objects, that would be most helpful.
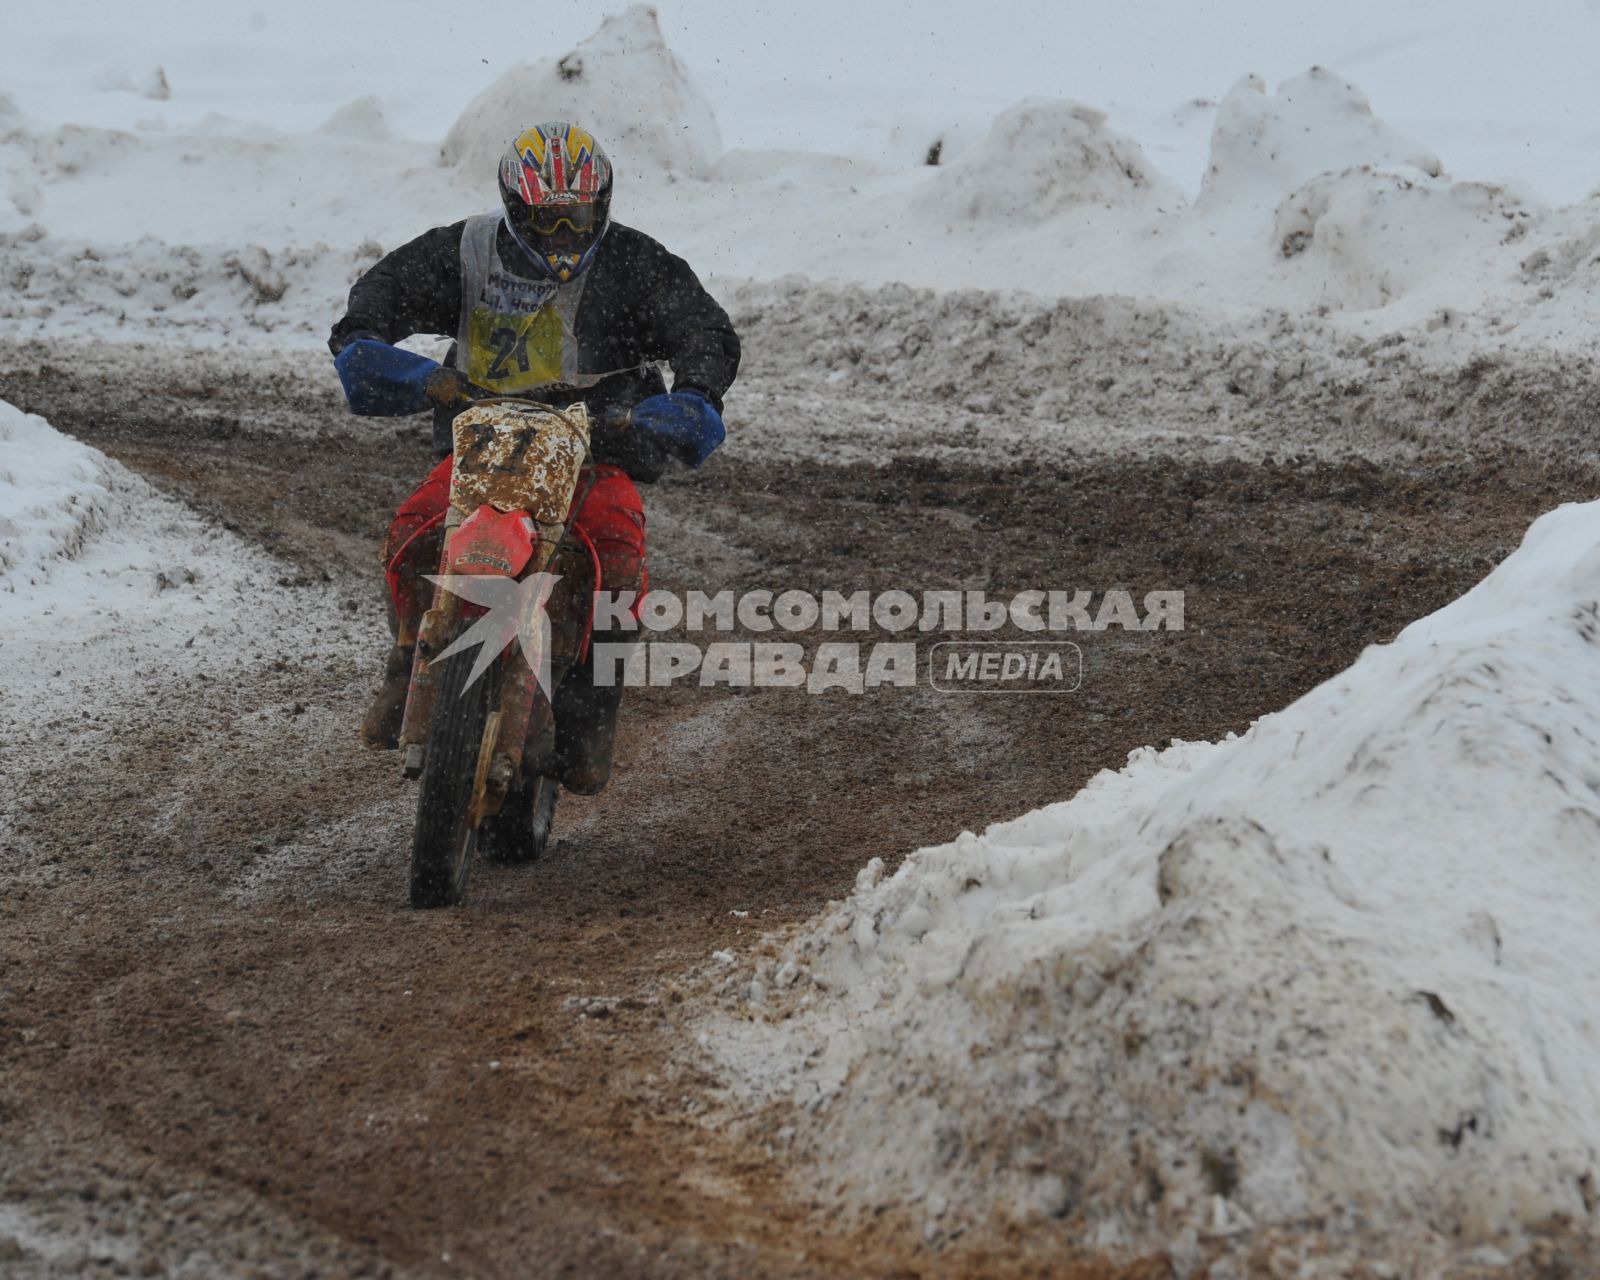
[{"x": 491, "y": 542}]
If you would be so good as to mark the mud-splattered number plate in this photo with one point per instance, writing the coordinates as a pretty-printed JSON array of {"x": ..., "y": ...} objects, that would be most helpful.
[{"x": 518, "y": 458}]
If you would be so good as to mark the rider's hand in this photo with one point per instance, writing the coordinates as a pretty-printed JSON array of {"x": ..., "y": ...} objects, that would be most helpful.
[
  {"x": 383, "y": 380},
  {"x": 685, "y": 421}
]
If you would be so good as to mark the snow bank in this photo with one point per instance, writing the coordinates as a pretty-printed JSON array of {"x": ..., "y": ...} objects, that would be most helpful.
[
  {"x": 1375, "y": 235},
  {"x": 212, "y": 295},
  {"x": 622, "y": 83},
  {"x": 1263, "y": 147},
  {"x": 99, "y": 572},
  {"x": 54, "y": 495},
  {"x": 1312, "y": 206},
  {"x": 1366, "y": 215},
  {"x": 1043, "y": 157},
  {"x": 116, "y": 80},
  {"x": 1342, "y": 969},
  {"x": 362, "y": 120},
  {"x": 237, "y": 184}
]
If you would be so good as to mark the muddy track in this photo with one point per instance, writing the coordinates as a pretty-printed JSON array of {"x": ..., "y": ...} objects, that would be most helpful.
[{"x": 222, "y": 1034}]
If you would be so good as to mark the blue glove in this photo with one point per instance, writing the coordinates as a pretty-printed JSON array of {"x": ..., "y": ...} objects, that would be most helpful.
[
  {"x": 383, "y": 381},
  {"x": 685, "y": 421}
]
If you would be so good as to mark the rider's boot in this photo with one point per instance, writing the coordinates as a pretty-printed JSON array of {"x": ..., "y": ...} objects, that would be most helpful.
[
  {"x": 380, "y": 727},
  {"x": 586, "y": 730},
  {"x": 586, "y": 712}
]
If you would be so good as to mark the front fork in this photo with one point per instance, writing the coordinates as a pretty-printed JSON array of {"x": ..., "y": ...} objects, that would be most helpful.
[
  {"x": 434, "y": 634},
  {"x": 523, "y": 713}
]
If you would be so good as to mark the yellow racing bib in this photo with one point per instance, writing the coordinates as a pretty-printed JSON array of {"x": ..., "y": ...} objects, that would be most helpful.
[
  {"x": 516, "y": 335},
  {"x": 512, "y": 353}
]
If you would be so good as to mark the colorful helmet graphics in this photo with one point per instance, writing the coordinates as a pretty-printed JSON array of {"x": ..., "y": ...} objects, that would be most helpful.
[{"x": 555, "y": 183}]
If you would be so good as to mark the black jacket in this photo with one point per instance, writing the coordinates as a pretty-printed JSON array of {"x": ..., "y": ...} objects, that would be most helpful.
[{"x": 640, "y": 304}]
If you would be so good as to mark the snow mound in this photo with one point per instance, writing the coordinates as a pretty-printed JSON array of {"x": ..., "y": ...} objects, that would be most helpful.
[
  {"x": 54, "y": 495},
  {"x": 623, "y": 84},
  {"x": 1377, "y": 234},
  {"x": 362, "y": 120},
  {"x": 79, "y": 533},
  {"x": 1341, "y": 969},
  {"x": 1264, "y": 147},
  {"x": 1043, "y": 157},
  {"x": 99, "y": 573},
  {"x": 154, "y": 85}
]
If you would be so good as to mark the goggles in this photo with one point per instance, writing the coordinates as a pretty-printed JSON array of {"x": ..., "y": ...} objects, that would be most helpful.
[{"x": 547, "y": 219}]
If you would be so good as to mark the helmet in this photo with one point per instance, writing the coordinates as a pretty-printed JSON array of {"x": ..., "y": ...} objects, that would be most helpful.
[{"x": 555, "y": 183}]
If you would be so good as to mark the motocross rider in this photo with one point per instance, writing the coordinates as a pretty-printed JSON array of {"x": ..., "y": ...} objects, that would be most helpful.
[{"x": 550, "y": 300}]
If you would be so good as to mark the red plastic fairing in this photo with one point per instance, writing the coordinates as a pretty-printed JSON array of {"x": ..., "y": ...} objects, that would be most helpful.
[
  {"x": 594, "y": 559},
  {"x": 491, "y": 542},
  {"x": 403, "y": 584}
]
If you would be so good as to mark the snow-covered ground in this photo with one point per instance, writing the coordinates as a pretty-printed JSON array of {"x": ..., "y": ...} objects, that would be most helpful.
[
  {"x": 1339, "y": 969},
  {"x": 158, "y": 218}
]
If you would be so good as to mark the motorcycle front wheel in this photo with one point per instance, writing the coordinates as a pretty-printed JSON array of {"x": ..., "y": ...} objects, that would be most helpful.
[
  {"x": 521, "y": 830},
  {"x": 442, "y": 849}
]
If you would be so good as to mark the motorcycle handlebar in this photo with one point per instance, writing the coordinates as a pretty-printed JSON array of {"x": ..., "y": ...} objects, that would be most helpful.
[{"x": 616, "y": 416}]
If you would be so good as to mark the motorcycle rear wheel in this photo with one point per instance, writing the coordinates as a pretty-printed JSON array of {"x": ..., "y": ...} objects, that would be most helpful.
[{"x": 445, "y": 839}]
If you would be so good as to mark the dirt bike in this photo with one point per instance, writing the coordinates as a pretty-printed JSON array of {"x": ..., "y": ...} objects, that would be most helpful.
[{"x": 480, "y": 732}]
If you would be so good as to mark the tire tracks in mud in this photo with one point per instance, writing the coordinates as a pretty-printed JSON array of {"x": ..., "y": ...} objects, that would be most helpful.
[{"x": 224, "y": 1038}]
